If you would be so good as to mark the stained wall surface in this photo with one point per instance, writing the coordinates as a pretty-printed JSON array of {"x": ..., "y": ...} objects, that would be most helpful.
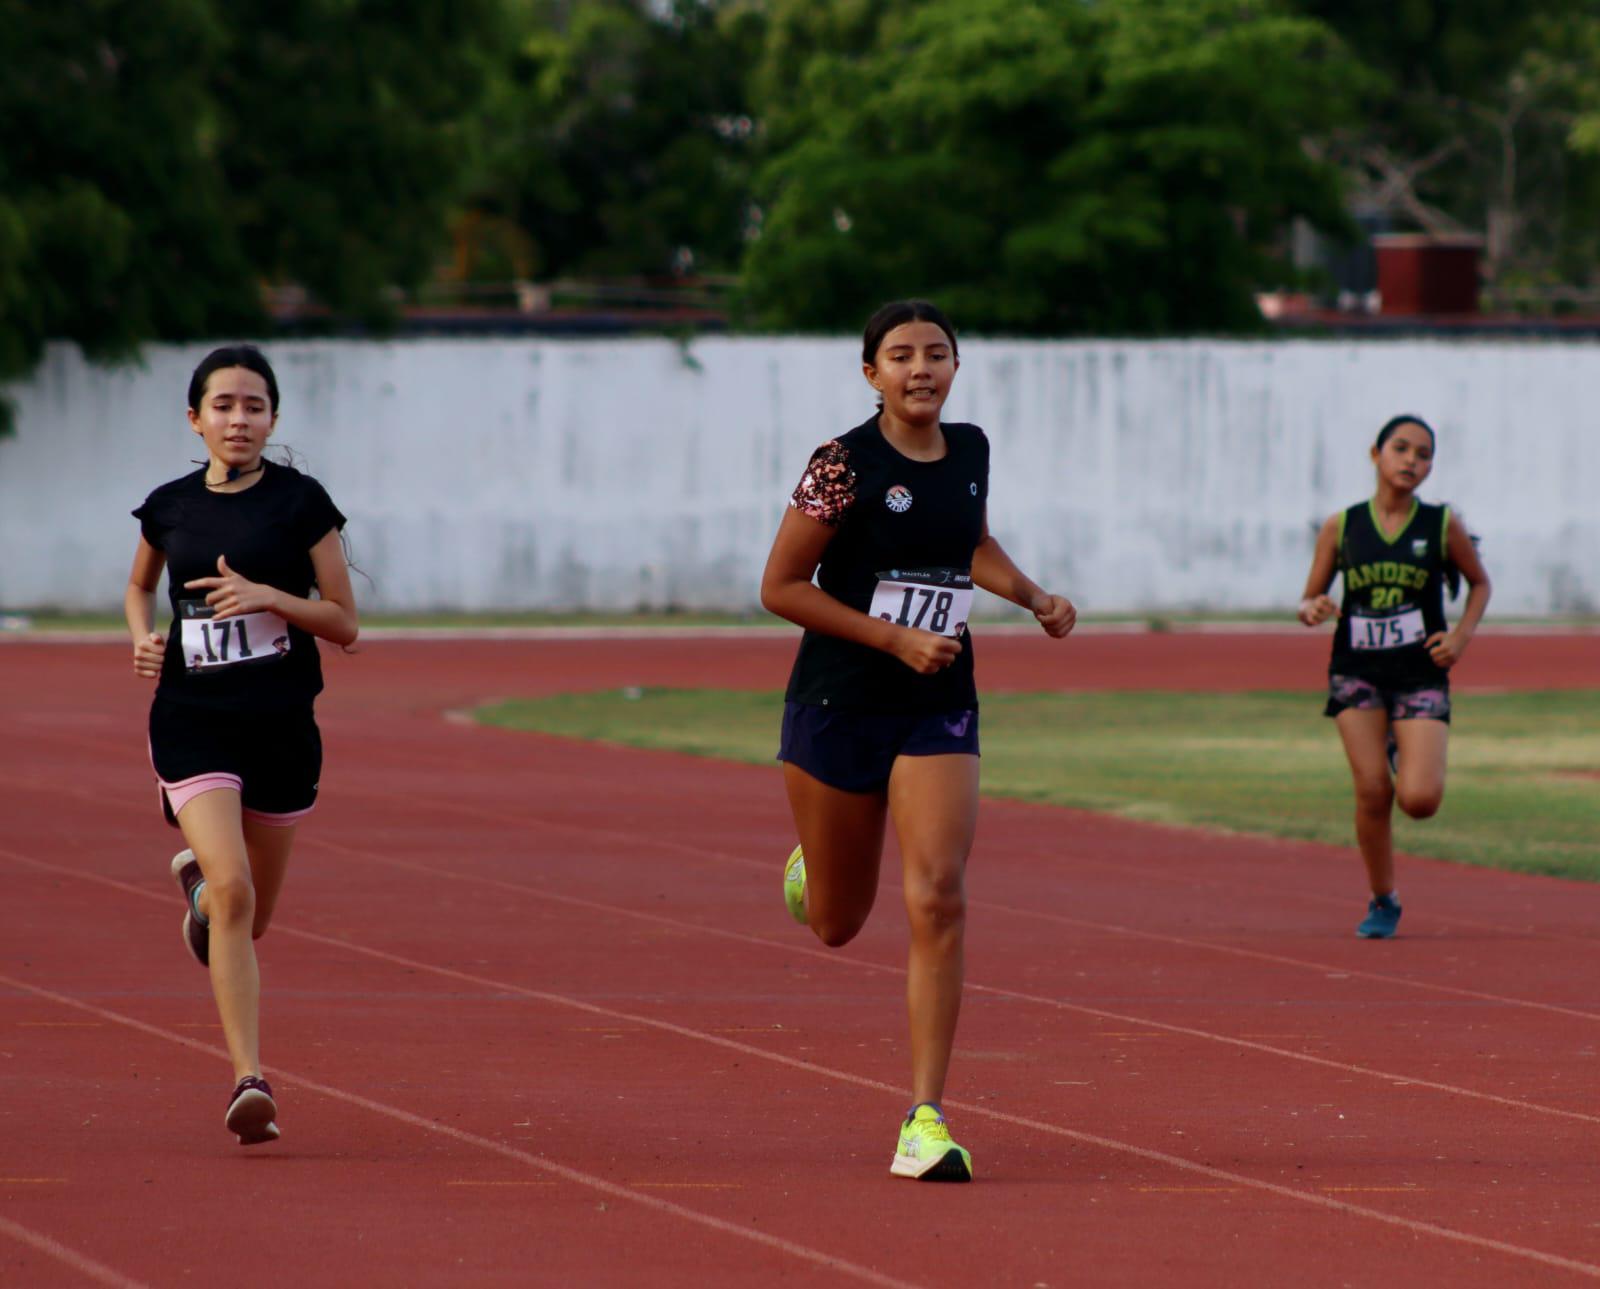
[{"x": 644, "y": 473}]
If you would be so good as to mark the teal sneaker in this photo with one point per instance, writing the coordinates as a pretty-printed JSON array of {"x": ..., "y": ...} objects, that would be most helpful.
[
  {"x": 794, "y": 885},
  {"x": 1383, "y": 916},
  {"x": 926, "y": 1153}
]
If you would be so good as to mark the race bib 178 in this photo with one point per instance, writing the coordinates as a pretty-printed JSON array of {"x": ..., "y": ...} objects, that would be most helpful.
[
  {"x": 250, "y": 637},
  {"x": 931, "y": 599},
  {"x": 1391, "y": 632}
]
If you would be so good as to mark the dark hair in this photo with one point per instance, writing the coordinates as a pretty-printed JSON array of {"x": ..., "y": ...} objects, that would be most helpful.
[
  {"x": 896, "y": 314},
  {"x": 246, "y": 356},
  {"x": 1395, "y": 422}
]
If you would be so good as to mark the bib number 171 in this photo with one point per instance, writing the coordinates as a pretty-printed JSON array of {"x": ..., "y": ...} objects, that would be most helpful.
[{"x": 211, "y": 642}]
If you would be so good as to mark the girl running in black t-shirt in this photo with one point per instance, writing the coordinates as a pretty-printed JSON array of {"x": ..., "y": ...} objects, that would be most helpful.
[
  {"x": 232, "y": 738},
  {"x": 1389, "y": 677},
  {"x": 881, "y": 716}
]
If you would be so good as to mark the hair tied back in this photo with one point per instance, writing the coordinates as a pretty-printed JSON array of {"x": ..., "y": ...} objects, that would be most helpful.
[{"x": 1395, "y": 422}]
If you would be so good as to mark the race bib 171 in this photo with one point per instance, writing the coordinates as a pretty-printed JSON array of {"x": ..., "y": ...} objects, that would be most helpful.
[
  {"x": 931, "y": 599},
  {"x": 1391, "y": 632},
  {"x": 250, "y": 637}
]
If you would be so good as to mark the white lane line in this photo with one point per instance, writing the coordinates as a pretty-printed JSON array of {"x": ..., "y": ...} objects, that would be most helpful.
[
  {"x": 576, "y": 1176},
  {"x": 1186, "y": 1031},
  {"x": 1032, "y": 1125},
  {"x": 1390, "y": 1077},
  {"x": 96, "y": 1271}
]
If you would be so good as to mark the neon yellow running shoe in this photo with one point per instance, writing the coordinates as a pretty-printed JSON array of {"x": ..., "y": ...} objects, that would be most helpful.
[
  {"x": 926, "y": 1152},
  {"x": 794, "y": 885}
]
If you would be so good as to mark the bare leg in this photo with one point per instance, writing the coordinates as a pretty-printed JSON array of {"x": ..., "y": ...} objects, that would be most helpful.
[
  {"x": 268, "y": 847},
  {"x": 213, "y": 826},
  {"x": 841, "y": 834},
  {"x": 1365, "y": 733},
  {"x": 1419, "y": 787},
  {"x": 934, "y": 800}
]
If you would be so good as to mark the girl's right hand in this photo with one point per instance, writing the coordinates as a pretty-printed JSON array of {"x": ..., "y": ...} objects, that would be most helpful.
[
  {"x": 1315, "y": 610},
  {"x": 147, "y": 655},
  {"x": 925, "y": 652}
]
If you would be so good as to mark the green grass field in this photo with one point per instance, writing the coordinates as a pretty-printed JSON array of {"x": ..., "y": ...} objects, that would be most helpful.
[{"x": 1524, "y": 786}]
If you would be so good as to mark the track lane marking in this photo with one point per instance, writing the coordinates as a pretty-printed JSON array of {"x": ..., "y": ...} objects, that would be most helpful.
[
  {"x": 1342, "y": 1207},
  {"x": 803, "y": 1252},
  {"x": 633, "y": 840},
  {"x": 1219, "y": 1175},
  {"x": 1390, "y": 1077},
  {"x": 97, "y": 1271}
]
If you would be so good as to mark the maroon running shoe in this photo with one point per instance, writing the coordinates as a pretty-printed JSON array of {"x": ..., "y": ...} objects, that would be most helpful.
[
  {"x": 196, "y": 934},
  {"x": 252, "y": 1112}
]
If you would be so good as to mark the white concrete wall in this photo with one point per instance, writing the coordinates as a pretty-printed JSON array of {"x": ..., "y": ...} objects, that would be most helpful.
[{"x": 517, "y": 474}]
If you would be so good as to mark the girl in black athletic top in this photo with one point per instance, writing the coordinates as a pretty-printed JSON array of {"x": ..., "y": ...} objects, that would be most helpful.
[
  {"x": 1389, "y": 677},
  {"x": 881, "y": 714},
  {"x": 232, "y": 738}
]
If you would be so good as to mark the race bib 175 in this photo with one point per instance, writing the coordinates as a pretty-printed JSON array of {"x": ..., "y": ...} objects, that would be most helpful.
[
  {"x": 1391, "y": 632},
  {"x": 931, "y": 599},
  {"x": 250, "y": 637}
]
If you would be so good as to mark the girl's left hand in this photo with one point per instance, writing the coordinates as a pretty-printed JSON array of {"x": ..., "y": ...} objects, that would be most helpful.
[
  {"x": 1056, "y": 614},
  {"x": 231, "y": 595},
  {"x": 1446, "y": 648}
]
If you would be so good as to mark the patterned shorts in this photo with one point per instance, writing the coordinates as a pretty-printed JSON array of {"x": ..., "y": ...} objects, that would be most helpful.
[{"x": 1403, "y": 703}]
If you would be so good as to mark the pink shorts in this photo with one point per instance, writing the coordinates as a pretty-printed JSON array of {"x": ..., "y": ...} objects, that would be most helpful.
[{"x": 175, "y": 796}]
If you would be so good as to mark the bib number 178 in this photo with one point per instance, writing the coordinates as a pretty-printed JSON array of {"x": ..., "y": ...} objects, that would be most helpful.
[{"x": 936, "y": 600}]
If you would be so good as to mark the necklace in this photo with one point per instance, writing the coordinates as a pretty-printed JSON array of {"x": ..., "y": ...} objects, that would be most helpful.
[{"x": 234, "y": 473}]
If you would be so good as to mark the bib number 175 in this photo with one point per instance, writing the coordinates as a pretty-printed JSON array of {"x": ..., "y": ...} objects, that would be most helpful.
[
  {"x": 933, "y": 599},
  {"x": 1394, "y": 631}
]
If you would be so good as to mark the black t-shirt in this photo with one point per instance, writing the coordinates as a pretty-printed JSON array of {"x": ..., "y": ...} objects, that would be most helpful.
[
  {"x": 266, "y": 532},
  {"x": 916, "y": 523},
  {"x": 1393, "y": 596}
]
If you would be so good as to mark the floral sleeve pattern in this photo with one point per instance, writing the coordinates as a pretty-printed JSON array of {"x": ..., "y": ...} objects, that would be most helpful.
[{"x": 828, "y": 487}]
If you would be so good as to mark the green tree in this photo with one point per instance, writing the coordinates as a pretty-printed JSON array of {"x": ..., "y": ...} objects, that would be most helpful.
[
  {"x": 110, "y": 208},
  {"x": 619, "y": 138},
  {"x": 1045, "y": 165},
  {"x": 1471, "y": 124},
  {"x": 344, "y": 132},
  {"x": 159, "y": 162}
]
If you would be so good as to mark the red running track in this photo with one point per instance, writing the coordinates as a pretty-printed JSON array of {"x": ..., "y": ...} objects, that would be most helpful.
[{"x": 535, "y": 1015}]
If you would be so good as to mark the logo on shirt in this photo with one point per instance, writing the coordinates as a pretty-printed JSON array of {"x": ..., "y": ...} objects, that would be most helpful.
[
  {"x": 1419, "y": 546},
  {"x": 898, "y": 499},
  {"x": 974, "y": 488}
]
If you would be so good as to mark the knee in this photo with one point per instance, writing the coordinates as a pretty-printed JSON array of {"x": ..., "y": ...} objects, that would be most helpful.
[
  {"x": 1422, "y": 804},
  {"x": 231, "y": 902},
  {"x": 937, "y": 905},
  {"x": 835, "y": 931},
  {"x": 1374, "y": 794}
]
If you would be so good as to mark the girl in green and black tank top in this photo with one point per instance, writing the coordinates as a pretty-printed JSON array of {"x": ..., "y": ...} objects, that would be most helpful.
[
  {"x": 1393, "y": 596},
  {"x": 1389, "y": 674}
]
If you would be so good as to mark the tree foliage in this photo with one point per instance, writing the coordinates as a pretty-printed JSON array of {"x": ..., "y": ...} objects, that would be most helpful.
[
  {"x": 1045, "y": 165},
  {"x": 159, "y": 162},
  {"x": 618, "y": 138},
  {"x": 1472, "y": 123},
  {"x": 1041, "y": 166}
]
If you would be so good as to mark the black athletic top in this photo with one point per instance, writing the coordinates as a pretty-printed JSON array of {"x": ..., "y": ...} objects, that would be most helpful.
[
  {"x": 914, "y": 524},
  {"x": 1393, "y": 595},
  {"x": 259, "y": 662}
]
